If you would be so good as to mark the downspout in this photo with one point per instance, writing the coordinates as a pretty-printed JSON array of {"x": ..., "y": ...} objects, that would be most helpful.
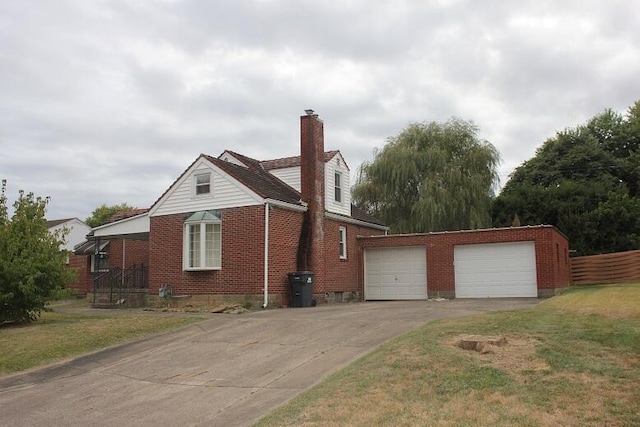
[
  {"x": 266, "y": 255},
  {"x": 124, "y": 254}
]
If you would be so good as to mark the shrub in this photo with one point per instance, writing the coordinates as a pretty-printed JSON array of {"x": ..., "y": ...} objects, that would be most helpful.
[{"x": 32, "y": 265}]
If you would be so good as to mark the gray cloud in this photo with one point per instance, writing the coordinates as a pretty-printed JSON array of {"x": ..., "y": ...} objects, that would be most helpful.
[{"x": 108, "y": 102}]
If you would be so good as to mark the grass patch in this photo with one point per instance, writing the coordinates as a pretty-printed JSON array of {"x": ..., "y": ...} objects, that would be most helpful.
[
  {"x": 57, "y": 336},
  {"x": 572, "y": 360}
]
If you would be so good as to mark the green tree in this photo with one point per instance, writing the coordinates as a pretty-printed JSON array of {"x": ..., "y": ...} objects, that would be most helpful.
[
  {"x": 431, "y": 177},
  {"x": 32, "y": 266},
  {"x": 102, "y": 213},
  {"x": 585, "y": 182}
]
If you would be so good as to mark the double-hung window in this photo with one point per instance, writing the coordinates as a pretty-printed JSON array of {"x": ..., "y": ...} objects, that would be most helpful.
[
  {"x": 337, "y": 186},
  {"x": 203, "y": 241},
  {"x": 343, "y": 242},
  {"x": 202, "y": 184}
]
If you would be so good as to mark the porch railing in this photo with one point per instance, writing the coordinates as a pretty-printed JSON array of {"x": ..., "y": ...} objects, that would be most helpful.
[{"x": 117, "y": 282}]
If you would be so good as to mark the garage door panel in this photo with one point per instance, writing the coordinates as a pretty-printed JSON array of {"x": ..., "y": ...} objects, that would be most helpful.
[
  {"x": 395, "y": 273},
  {"x": 387, "y": 279},
  {"x": 495, "y": 270}
]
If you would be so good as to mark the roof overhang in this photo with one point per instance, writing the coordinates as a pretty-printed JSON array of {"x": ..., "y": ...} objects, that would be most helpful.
[
  {"x": 89, "y": 247},
  {"x": 133, "y": 228},
  {"x": 351, "y": 220},
  {"x": 298, "y": 208}
]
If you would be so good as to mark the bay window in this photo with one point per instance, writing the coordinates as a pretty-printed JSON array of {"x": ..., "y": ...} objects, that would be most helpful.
[{"x": 203, "y": 241}]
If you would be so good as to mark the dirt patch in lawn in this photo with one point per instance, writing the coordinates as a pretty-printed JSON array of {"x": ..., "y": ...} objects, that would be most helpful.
[{"x": 516, "y": 356}]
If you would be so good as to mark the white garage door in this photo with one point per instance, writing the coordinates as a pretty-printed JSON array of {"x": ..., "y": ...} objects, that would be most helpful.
[
  {"x": 395, "y": 273},
  {"x": 496, "y": 270}
]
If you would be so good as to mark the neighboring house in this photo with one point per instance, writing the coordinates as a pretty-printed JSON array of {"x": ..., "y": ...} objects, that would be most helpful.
[
  {"x": 233, "y": 227},
  {"x": 77, "y": 232}
]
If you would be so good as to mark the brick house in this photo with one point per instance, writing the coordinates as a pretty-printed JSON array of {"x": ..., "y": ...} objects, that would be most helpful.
[{"x": 232, "y": 227}]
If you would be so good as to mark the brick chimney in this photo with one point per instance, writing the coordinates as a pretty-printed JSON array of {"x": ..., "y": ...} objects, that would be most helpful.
[
  {"x": 312, "y": 161},
  {"x": 311, "y": 244}
]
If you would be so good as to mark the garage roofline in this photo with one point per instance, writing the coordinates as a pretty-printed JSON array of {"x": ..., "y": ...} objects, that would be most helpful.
[{"x": 479, "y": 230}]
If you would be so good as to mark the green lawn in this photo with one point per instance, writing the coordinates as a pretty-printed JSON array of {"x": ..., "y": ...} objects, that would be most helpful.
[
  {"x": 573, "y": 360},
  {"x": 57, "y": 336}
]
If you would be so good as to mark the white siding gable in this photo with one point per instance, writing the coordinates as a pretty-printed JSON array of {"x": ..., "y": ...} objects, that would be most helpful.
[
  {"x": 337, "y": 165},
  {"x": 78, "y": 231},
  {"x": 225, "y": 192},
  {"x": 228, "y": 157},
  {"x": 290, "y": 176}
]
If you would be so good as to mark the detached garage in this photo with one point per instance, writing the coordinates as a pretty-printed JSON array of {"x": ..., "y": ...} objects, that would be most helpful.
[{"x": 488, "y": 263}]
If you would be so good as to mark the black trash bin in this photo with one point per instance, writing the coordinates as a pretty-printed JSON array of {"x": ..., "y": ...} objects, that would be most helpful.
[{"x": 301, "y": 288}]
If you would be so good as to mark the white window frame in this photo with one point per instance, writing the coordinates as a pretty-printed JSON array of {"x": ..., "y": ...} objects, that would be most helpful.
[
  {"x": 337, "y": 187},
  {"x": 216, "y": 259},
  {"x": 342, "y": 242},
  {"x": 197, "y": 185}
]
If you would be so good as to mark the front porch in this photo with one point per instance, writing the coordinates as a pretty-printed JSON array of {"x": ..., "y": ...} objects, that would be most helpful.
[{"x": 118, "y": 287}]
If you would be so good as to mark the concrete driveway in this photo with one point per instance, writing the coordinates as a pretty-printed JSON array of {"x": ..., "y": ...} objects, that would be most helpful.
[{"x": 226, "y": 371}]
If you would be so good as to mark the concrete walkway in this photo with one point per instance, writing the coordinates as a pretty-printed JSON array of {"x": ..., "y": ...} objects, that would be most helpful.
[{"x": 229, "y": 370}]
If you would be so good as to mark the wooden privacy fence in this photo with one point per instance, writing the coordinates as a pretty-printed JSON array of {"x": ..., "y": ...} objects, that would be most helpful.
[{"x": 619, "y": 267}]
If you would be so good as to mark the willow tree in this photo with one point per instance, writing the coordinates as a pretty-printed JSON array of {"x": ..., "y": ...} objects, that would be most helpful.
[{"x": 431, "y": 177}]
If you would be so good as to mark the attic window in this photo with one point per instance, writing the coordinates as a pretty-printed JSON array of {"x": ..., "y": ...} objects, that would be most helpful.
[
  {"x": 203, "y": 184},
  {"x": 337, "y": 185}
]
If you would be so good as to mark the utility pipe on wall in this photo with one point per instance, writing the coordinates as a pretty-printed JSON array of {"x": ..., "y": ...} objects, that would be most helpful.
[
  {"x": 266, "y": 255},
  {"x": 124, "y": 264}
]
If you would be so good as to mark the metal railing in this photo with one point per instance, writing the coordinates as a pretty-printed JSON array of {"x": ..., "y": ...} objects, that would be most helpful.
[{"x": 116, "y": 283}]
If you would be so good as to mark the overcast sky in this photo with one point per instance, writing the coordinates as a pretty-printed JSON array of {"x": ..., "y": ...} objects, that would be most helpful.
[{"x": 109, "y": 101}]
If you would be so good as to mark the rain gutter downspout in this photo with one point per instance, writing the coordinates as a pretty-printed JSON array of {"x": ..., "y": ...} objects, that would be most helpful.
[
  {"x": 124, "y": 255},
  {"x": 266, "y": 255}
]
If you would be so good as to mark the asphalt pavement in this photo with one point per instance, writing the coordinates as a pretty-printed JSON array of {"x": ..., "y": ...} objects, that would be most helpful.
[{"x": 229, "y": 370}]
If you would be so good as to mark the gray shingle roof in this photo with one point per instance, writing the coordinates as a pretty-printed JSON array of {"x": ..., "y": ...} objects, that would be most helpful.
[
  {"x": 258, "y": 179},
  {"x": 256, "y": 176}
]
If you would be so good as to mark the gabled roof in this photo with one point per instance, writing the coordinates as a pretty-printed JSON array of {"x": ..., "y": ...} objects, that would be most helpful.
[
  {"x": 255, "y": 177},
  {"x": 248, "y": 161},
  {"x": 290, "y": 162},
  {"x": 126, "y": 214},
  {"x": 54, "y": 222},
  {"x": 359, "y": 214}
]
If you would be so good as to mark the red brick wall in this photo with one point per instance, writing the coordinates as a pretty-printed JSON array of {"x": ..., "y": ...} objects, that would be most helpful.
[
  {"x": 136, "y": 252},
  {"x": 554, "y": 252},
  {"x": 82, "y": 265},
  {"x": 342, "y": 275},
  {"x": 553, "y": 269},
  {"x": 284, "y": 231},
  {"x": 242, "y": 255}
]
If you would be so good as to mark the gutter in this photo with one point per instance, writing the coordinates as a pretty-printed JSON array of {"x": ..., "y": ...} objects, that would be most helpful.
[
  {"x": 351, "y": 220},
  {"x": 285, "y": 205}
]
